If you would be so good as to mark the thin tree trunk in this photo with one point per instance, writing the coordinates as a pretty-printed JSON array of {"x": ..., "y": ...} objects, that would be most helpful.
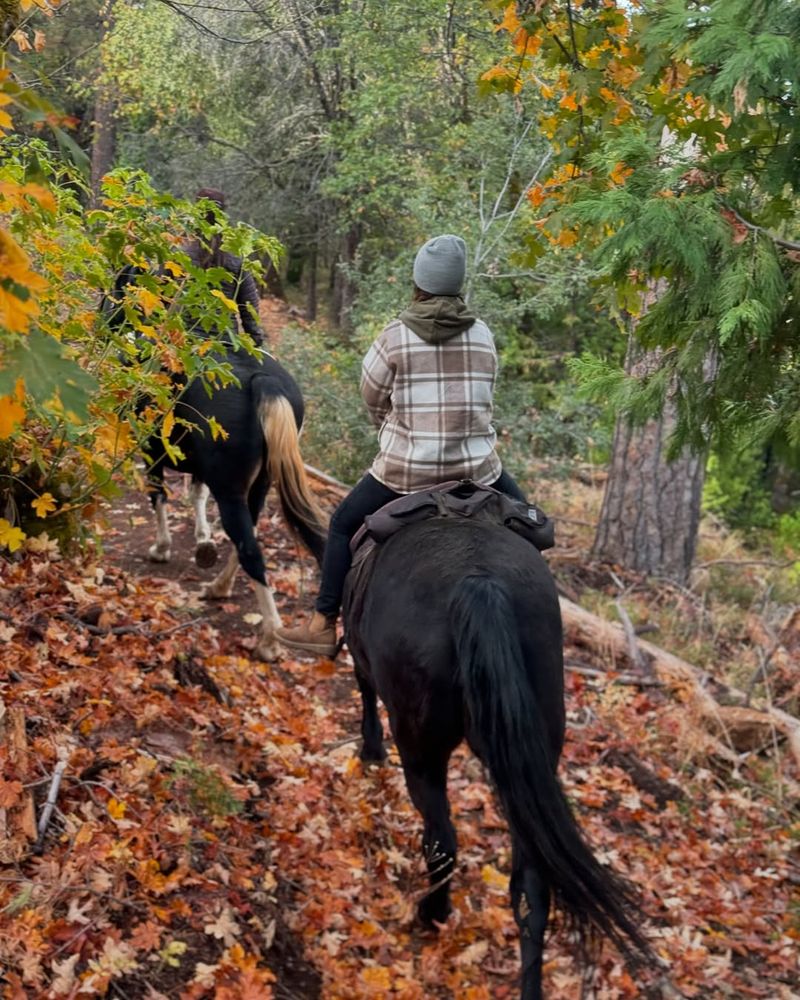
[
  {"x": 651, "y": 506},
  {"x": 311, "y": 288},
  {"x": 104, "y": 138},
  {"x": 344, "y": 292}
]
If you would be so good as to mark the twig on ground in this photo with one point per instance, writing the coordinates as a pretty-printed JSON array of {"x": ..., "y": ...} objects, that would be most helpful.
[
  {"x": 50, "y": 804},
  {"x": 747, "y": 562},
  {"x": 65, "y": 616},
  {"x": 761, "y": 670},
  {"x": 634, "y": 652},
  {"x": 635, "y": 680},
  {"x": 125, "y": 629}
]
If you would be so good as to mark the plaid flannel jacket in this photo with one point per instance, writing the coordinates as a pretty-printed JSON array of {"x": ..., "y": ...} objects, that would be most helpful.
[{"x": 432, "y": 404}]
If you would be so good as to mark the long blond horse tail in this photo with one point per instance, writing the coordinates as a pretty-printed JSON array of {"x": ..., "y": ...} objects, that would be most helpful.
[{"x": 287, "y": 471}]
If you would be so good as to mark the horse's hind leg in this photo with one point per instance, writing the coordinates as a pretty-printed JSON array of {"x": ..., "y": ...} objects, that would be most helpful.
[
  {"x": 161, "y": 549},
  {"x": 205, "y": 552},
  {"x": 237, "y": 520},
  {"x": 530, "y": 900},
  {"x": 371, "y": 729},
  {"x": 222, "y": 584},
  {"x": 427, "y": 784}
]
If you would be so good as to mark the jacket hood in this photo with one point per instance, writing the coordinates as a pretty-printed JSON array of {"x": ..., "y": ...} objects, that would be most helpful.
[{"x": 439, "y": 318}]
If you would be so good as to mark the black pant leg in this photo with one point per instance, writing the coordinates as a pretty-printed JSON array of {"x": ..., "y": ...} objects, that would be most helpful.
[
  {"x": 506, "y": 484},
  {"x": 367, "y": 496}
]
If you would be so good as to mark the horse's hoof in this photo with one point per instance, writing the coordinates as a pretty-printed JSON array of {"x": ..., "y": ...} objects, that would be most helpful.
[
  {"x": 157, "y": 553},
  {"x": 205, "y": 555},
  {"x": 371, "y": 755},
  {"x": 432, "y": 913},
  {"x": 212, "y": 593},
  {"x": 268, "y": 650}
]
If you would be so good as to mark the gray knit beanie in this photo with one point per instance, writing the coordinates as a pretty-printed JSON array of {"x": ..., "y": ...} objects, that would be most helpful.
[{"x": 440, "y": 265}]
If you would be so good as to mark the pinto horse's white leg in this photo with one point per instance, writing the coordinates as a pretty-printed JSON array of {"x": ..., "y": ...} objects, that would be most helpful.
[
  {"x": 267, "y": 647},
  {"x": 199, "y": 494},
  {"x": 161, "y": 549},
  {"x": 222, "y": 584},
  {"x": 205, "y": 552}
]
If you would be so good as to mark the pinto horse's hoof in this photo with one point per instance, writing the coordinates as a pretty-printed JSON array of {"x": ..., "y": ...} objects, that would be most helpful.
[
  {"x": 205, "y": 555},
  {"x": 269, "y": 650},
  {"x": 158, "y": 553}
]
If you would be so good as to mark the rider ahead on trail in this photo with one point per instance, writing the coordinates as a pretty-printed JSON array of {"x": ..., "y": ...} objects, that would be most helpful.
[
  {"x": 241, "y": 287},
  {"x": 428, "y": 384}
]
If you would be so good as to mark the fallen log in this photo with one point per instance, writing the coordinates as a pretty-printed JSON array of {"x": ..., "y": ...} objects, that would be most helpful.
[
  {"x": 740, "y": 727},
  {"x": 17, "y": 822}
]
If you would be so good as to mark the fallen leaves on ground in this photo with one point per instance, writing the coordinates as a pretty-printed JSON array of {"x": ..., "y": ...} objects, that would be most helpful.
[{"x": 222, "y": 839}]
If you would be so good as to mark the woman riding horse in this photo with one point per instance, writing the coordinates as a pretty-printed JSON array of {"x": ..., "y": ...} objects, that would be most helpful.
[{"x": 428, "y": 383}]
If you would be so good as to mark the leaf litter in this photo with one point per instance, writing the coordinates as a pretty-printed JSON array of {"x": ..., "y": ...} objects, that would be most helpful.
[{"x": 233, "y": 846}]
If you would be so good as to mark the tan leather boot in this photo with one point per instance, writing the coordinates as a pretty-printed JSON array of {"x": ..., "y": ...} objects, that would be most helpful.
[{"x": 318, "y": 637}]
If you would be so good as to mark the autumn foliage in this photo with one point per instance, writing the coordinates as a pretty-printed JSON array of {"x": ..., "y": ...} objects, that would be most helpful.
[
  {"x": 673, "y": 128},
  {"x": 78, "y": 397}
]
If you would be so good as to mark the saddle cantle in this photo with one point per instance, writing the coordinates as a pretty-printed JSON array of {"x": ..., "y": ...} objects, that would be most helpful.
[{"x": 457, "y": 498}]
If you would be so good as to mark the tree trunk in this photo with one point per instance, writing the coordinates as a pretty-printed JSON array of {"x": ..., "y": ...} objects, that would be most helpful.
[
  {"x": 651, "y": 506},
  {"x": 104, "y": 140},
  {"x": 271, "y": 279},
  {"x": 311, "y": 287},
  {"x": 344, "y": 291},
  {"x": 104, "y": 137}
]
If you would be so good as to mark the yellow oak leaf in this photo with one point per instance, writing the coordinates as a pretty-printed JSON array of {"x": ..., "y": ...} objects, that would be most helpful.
[
  {"x": 569, "y": 102},
  {"x": 377, "y": 976},
  {"x": 567, "y": 238},
  {"x": 536, "y": 195},
  {"x": 224, "y": 298},
  {"x": 167, "y": 426},
  {"x": 492, "y": 877},
  {"x": 148, "y": 300},
  {"x": 44, "y": 504},
  {"x": 10, "y": 536},
  {"x": 511, "y": 21},
  {"x": 116, "y": 809},
  {"x": 11, "y": 413},
  {"x": 619, "y": 173}
]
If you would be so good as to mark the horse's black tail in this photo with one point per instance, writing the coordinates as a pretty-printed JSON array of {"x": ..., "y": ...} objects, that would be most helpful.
[
  {"x": 507, "y": 730},
  {"x": 287, "y": 471}
]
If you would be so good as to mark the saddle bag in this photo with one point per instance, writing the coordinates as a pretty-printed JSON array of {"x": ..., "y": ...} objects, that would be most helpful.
[{"x": 459, "y": 498}]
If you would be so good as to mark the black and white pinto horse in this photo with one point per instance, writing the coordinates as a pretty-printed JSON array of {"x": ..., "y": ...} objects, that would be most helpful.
[
  {"x": 261, "y": 416},
  {"x": 455, "y": 624}
]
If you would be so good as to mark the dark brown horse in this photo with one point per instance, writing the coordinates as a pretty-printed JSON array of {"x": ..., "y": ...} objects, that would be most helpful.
[{"x": 455, "y": 624}]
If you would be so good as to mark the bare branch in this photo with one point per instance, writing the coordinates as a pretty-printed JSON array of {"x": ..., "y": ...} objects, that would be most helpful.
[{"x": 777, "y": 240}]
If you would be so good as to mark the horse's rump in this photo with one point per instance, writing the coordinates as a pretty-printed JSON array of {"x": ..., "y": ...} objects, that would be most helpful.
[
  {"x": 404, "y": 589},
  {"x": 228, "y": 459}
]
